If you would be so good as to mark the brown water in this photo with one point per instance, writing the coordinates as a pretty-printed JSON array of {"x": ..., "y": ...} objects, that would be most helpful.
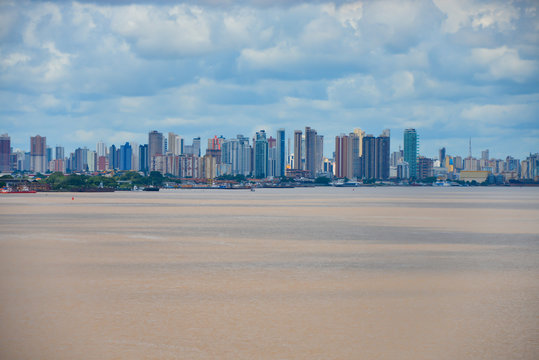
[{"x": 382, "y": 273}]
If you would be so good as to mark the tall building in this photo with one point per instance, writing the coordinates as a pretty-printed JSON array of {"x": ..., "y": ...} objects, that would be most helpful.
[
  {"x": 424, "y": 167},
  {"x": 193, "y": 149},
  {"x": 48, "y": 156},
  {"x": 101, "y": 148},
  {"x": 59, "y": 153},
  {"x": 91, "y": 160},
  {"x": 485, "y": 154},
  {"x": 126, "y": 154},
  {"x": 396, "y": 158},
  {"x": 5, "y": 152},
  {"x": 143, "y": 158},
  {"x": 196, "y": 146},
  {"x": 355, "y": 150},
  {"x": 319, "y": 156},
  {"x": 360, "y": 135},
  {"x": 156, "y": 146},
  {"x": 530, "y": 167},
  {"x": 310, "y": 151},
  {"x": 156, "y": 143},
  {"x": 236, "y": 156},
  {"x": 38, "y": 146},
  {"x": 261, "y": 155},
  {"x": 368, "y": 160},
  {"x": 441, "y": 157},
  {"x": 272, "y": 157},
  {"x": 174, "y": 144},
  {"x": 80, "y": 160},
  {"x": 297, "y": 149},
  {"x": 215, "y": 143},
  {"x": 113, "y": 160},
  {"x": 410, "y": 151},
  {"x": 134, "y": 156},
  {"x": 342, "y": 155},
  {"x": 382, "y": 155},
  {"x": 280, "y": 154},
  {"x": 471, "y": 164}
]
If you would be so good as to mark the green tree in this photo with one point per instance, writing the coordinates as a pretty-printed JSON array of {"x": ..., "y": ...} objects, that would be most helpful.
[
  {"x": 156, "y": 178},
  {"x": 322, "y": 180}
]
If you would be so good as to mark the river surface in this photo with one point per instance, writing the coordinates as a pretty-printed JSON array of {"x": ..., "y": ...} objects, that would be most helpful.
[{"x": 325, "y": 273}]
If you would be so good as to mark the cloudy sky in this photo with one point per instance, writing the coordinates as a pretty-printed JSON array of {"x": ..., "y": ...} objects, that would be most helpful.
[{"x": 79, "y": 72}]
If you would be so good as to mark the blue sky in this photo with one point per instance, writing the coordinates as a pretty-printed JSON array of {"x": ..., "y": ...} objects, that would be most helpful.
[{"x": 80, "y": 72}]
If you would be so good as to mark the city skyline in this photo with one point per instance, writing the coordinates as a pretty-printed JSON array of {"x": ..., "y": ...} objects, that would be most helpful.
[
  {"x": 357, "y": 155},
  {"x": 81, "y": 72},
  {"x": 100, "y": 145}
]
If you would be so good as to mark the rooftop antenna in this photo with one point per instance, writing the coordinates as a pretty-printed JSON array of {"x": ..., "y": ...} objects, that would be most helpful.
[{"x": 470, "y": 155}]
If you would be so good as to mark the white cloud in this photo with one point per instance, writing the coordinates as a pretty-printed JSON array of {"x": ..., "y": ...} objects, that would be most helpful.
[
  {"x": 402, "y": 84},
  {"x": 182, "y": 30},
  {"x": 200, "y": 68},
  {"x": 477, "y": 14},
  {"x": 348, "y": 14},
  {"x": 355, "y": 90},
  {"x": 42, "y": 15},
  {"x": 83, "y": 136},
  {"x": 14, "y": 59},
  {"x": 503, "y": 63},
  {"x": 276, "y": 58},
  {"x": 504, "y": 116}
]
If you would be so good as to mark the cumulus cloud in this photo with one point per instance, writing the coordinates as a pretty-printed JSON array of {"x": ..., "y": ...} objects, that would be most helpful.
[
  {"x": 503, "y": 63},
  {"x": 113, "y": 70},
  {"x": 477, "y": 14}
]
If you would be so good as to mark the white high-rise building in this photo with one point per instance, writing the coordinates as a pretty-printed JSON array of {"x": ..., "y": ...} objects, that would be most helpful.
[
  {"x": 135, "y": 156},
  {"x": 174, "y": 144},
  {"x": 101, "y": 149},
  {"x": 91, "y": 160}
]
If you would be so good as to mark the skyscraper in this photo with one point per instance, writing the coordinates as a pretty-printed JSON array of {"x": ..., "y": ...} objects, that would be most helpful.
[
  {"x": 156, "y": 143},
  {"x": 355, "y": 150},
  {"x": 5, "y": 151},
  {"x": 382, "y": 155},
  {"x": 174, "y": 144},
  {"x": 297, "y": 150},
  {"x": 113, "y": 161},
  {"x": 126, "y": 154},
  {"x": 143, "y": 158},
  {"x": 38, "y": 146},
  {"x": 360, "y": 134},
  {"x": 101, "y": 148},
  {"x": 280, "y": 161},
  {"x": 261, "y": 155},
  {"x": 319, "y": 156},
  {"x": 424, "y": 167},
  {"x": 310, "y": 151},
  {"x": 341, "y": 156},
  {"x": 156, "y": 146},
  {"x": 441, "y": 157},
  {"x": 59, "y": 153},
  {"x": 368, "y": 160},
  {"x": 272, "y": 157},
  {"x": 80, "y": 159},
  {"x": 215, "y": 143},
  {"x": 410, "y": 151},
  {"x": 236, "y": 156},
  {"x": 196, "y": 146}
]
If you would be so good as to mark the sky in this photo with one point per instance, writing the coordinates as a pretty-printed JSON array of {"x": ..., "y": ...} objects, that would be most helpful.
[{"x": 81, "y": 72}]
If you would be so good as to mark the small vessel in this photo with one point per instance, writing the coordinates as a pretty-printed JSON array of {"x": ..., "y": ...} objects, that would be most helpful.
[{"x": 442, "y": 183}]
